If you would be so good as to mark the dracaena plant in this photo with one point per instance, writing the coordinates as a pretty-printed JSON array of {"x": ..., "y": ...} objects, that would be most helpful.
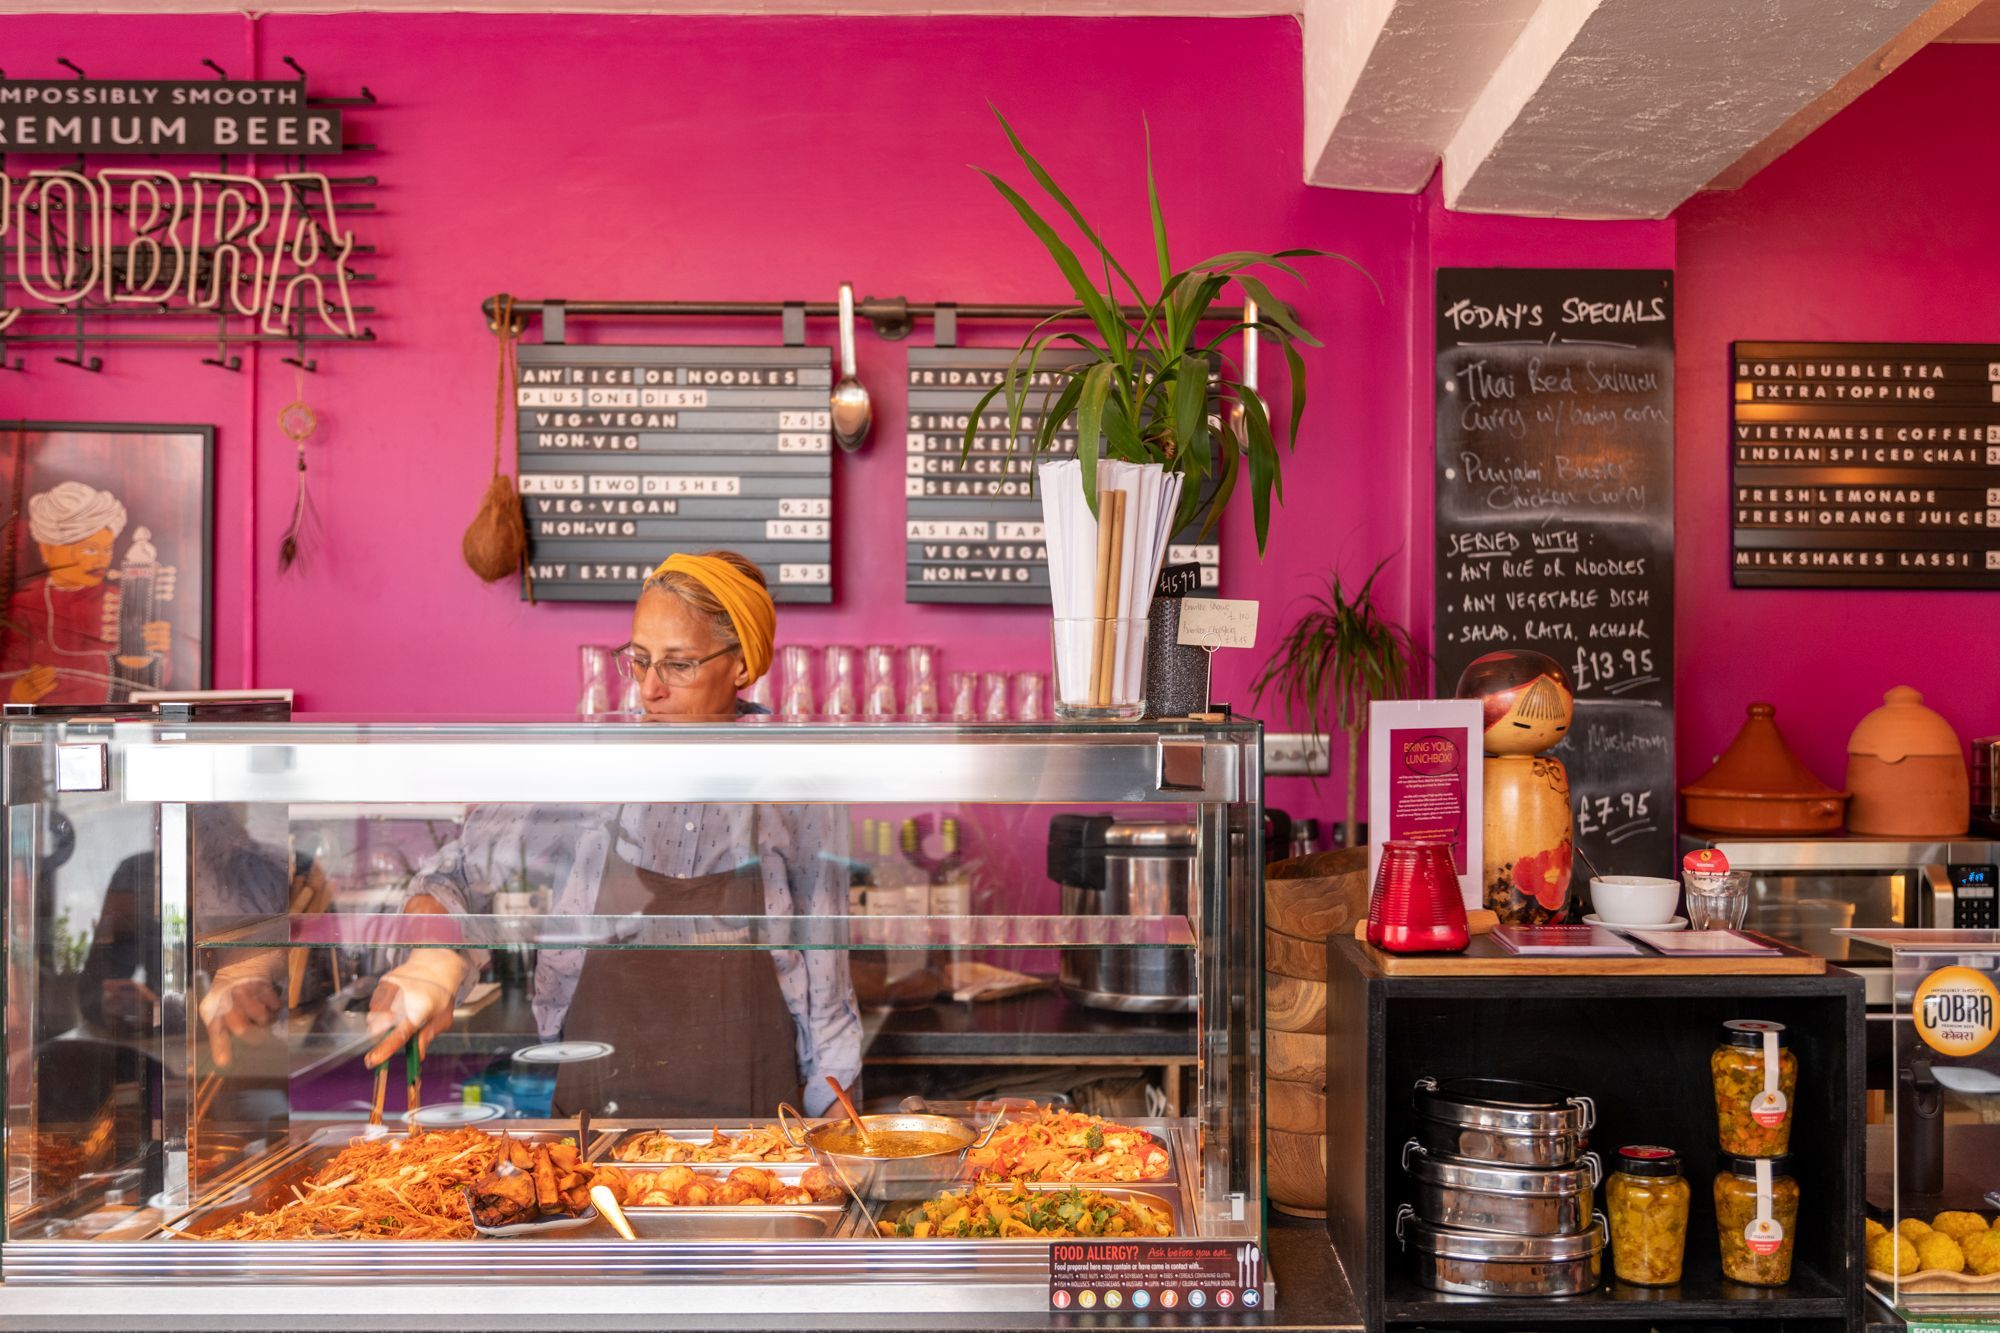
[
  {"x": 1142, "y": 392},
  {"x": 1337, "y": 657}
]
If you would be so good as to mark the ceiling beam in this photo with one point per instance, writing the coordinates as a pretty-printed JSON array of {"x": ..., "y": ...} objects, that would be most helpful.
[
  {"x": 1928, "y": 28},
  {"x": 1624, "y": 108},
  {"x": 1387, "y": 82}
]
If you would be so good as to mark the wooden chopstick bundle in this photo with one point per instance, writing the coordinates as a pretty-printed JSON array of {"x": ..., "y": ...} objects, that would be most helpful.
[{"x": 1111, "y": 580}]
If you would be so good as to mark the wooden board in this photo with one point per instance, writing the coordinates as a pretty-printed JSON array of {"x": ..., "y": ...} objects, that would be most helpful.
[
  {"x": 1315, "y": 907},
  {"x": 1295, "y": 1107},
  {"x": 1299, "y": 1057},
  {"x": 1485, "y": 958},
  {"x": 1294, "y": 1005}
]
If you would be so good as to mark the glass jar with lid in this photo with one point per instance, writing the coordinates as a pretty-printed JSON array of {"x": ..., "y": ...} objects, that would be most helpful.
[
  {"x": 1756, "y": 1218},
  {"x": 1648, "y": 1202},
  {"x": 1756, "y": 1077}
]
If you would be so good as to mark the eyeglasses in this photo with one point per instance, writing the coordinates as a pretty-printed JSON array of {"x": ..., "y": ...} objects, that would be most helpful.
[{"x": 633, "y": 665}]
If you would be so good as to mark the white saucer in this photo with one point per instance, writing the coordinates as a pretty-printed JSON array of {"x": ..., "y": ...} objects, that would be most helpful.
[{"x": 1678, "y": 923}]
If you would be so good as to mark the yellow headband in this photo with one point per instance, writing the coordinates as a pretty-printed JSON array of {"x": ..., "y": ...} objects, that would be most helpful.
[{"x": 747, "y": 602}]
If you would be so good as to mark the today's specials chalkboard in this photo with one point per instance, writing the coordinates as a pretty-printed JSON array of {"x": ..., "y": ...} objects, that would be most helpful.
[
  {"x": 1865, "y": 465},
  {"x": 973, "y": 522},
  {"x": 631, "y": 454},
  {"x": 1555, "y": 441}
]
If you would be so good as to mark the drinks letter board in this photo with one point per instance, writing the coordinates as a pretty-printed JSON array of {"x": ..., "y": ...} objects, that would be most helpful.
[
  {"x": 1865, "y": 465},
  {"x": 630, "y": 454}
]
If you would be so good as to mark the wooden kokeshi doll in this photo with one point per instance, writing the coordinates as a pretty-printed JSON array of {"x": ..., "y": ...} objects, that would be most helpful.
[{"x": 1529, "y": 706}]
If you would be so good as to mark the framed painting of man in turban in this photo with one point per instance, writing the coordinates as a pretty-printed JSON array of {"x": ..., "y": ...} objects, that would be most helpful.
[{"x": 106, "y": 562}]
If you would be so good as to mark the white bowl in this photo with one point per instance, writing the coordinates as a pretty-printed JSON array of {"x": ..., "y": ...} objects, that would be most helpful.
[{"x": 1635, "y": 900}]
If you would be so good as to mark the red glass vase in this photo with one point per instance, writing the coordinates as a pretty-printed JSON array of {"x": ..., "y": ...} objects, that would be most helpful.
[{"x": 1416, "y": 907}]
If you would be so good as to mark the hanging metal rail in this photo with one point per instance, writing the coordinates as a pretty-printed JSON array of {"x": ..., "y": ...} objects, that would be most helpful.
[{"x": 892, "y": 316}]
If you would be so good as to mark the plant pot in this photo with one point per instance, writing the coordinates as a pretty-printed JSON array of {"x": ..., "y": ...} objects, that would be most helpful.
[{"x": 1177, "y": 676}]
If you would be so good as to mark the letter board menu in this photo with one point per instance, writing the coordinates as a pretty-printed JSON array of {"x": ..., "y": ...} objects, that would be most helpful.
[
  {"x": 973, "y": 523},
  {"x": 631, "y": 454},
  {"x": 1865, "y": 465},
  {"x": 1555, "y": 445}
]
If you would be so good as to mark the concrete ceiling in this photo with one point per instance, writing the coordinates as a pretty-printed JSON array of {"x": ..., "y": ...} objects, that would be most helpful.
[{"x": 1590, "y": 108}]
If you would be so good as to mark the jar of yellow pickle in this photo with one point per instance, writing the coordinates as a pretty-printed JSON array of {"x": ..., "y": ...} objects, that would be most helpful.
[
  {"x": 1756, "y": 1079},
  {"x": 1756, "y": 1218},
  {"x": 1648, "y": 1199}
]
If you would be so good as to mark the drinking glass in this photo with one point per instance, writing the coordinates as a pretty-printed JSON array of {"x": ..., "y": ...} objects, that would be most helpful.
[
  {"x": 763, "y": 691},
  {"x": 797, "y": 698},
  {"x": 993, "y": 696},
  {"x": 963, "y": 688},
  {"x": 880, "y": 661},
  {"x": 599, "y": 680},
  {"x": 920, "y": 682},
  {"x": 1717, "y": 900},
  {"x": 840, "y": 691},
  {"x": 1031, "y": 695},
  {"x": 1100, "y": 668}
]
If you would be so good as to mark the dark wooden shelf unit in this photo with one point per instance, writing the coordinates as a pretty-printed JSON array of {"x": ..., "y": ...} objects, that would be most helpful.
[{"x": 1638, "y": 1046}]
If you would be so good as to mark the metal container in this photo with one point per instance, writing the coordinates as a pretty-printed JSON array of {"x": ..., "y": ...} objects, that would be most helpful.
[
  {"x": 1167, "y": 1200},
  {"x": 1487, "y": 1263},
  {"x": 1114, "y": 868},
  {"x": 1503, "y": 1121},
  {"x": 887, "y": 1177},
  {"x": 1519, "y": 1200}
]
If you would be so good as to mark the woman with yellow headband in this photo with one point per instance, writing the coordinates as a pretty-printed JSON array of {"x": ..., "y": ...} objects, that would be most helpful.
[{"x": 693, "y": 1033}]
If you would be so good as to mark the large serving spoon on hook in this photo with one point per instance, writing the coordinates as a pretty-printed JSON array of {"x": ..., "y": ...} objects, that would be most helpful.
[{"x": 851, "y": 414}]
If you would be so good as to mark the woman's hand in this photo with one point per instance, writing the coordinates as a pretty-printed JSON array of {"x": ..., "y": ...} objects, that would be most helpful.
[
  {"x": 242, "y": 1000},
  {"x": 414, "y": 1000}
]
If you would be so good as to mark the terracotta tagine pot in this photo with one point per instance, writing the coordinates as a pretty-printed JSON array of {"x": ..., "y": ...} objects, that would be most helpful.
[
  {"x": 1760, "y": 786},
  {"x": 1906, "y": 771}
]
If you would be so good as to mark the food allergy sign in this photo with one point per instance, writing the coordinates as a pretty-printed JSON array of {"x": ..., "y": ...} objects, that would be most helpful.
[
  {"x": 1865, "y": 465},
  {"x": 172, "y": 116},
  {"x": 973, "y": 520},
  {"x": 1167, "y": 1275},
  {"x": 1554, "y": 392},
  {"x": 631, "y": 454}
]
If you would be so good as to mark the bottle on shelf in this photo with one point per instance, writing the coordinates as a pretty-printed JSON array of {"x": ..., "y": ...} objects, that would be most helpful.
[{"x": 951, "y": 885}]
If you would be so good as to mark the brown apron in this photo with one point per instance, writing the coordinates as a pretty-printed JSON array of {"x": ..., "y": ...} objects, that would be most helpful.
[{"x": 695, "y": 1033}]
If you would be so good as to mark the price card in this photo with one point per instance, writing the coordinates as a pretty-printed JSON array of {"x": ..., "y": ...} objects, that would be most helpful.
[{"x": 1218, "y": 622}]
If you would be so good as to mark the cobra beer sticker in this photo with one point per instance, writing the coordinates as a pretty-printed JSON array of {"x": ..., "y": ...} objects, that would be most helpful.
[{"x": 1954, "y": 1010}]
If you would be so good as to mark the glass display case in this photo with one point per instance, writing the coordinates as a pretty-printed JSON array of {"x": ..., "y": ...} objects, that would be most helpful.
[
  {"x": 1932, "y": 1159},
  {"x": 606, "y": 955}
]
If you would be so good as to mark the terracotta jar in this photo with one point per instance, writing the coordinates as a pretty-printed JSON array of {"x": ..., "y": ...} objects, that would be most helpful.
[
  {"x": 1906, "y": 771},
  {"x": 1760, "y": 786}
]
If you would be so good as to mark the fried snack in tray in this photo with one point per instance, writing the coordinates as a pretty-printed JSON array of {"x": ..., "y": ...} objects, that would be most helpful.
[
  {"x": 681, "y": 1186},
  {"x": 1011, "y": 1211},
  {"x": 390, "y": 1188},
  {"x": 536, "y": 1182},
  {"x": 764, "y": 1143},
  {"x": 1050, "y": 1144}
]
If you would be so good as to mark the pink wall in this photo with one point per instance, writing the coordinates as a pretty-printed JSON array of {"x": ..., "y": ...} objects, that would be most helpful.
[
  {"x": 725, "y": 159},
  {"x": 1878, "y": 228},
  {"x": 772, "y": 158}
]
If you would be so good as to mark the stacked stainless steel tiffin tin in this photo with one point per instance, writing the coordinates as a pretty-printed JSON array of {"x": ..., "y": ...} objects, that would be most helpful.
[{"x": 1504, "y": 1189}]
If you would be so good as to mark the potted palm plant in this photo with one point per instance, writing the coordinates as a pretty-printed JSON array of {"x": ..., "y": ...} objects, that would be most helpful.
[
  {"x": 1338, "y": 656},
  {"x": 1151, "y": 385}
]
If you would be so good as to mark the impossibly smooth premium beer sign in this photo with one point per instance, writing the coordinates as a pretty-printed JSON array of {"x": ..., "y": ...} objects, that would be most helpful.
[{"x": 205, "y": 117}]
